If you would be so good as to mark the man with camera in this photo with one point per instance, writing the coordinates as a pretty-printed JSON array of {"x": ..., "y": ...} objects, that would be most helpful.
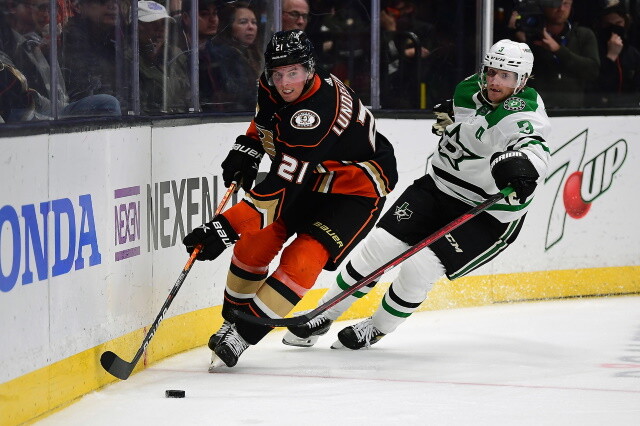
[{"x": 566, "y": 55}]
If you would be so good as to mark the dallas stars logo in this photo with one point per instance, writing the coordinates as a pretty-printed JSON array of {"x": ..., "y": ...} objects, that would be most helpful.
[
  {"x": 453, "y": 150},
  {"x": 514, "y": 104},
  {"x": 402, "y": 212}
]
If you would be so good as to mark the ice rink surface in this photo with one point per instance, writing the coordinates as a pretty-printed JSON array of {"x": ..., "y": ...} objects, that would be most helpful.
[{"x": 568, "y": 362}]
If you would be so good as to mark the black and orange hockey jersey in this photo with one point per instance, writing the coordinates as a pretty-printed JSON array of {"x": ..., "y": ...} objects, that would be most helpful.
[{"x": 325, "y": 141}]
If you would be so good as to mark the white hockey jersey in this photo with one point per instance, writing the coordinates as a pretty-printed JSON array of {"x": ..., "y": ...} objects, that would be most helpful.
[{"x": 460, "y": 166}]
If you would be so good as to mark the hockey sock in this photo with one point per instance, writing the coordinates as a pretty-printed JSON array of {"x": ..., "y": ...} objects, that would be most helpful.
[
  {"x": 377, "y": 249},
  {"x": 406, "y": 293}
]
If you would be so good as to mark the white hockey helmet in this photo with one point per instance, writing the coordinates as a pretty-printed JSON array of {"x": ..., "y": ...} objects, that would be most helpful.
[{"x": 511, "y": 56}]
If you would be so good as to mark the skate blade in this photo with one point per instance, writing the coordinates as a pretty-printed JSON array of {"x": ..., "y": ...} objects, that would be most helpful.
[
  {"x": 293, "y": 340},
  {"x": 337, "y": 345},
  {"x": 216, "y": 363}
]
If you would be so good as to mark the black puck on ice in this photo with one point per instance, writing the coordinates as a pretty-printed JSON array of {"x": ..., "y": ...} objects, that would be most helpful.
[{"x": 172, "y": 393}]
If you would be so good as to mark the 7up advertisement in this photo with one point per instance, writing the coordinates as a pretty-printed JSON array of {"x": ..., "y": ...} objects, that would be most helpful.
[{"x": 583, "y": 216}]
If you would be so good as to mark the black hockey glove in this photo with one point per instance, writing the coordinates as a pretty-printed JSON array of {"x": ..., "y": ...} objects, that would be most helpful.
[
  {"x": 513, "y": 168},
  {"x": 444, "y": 117},
  {"x": 242, "y": 162},
  {"x": 215, "y": 236}
]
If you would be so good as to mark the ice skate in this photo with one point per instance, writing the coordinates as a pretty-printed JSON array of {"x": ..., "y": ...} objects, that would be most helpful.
[
  {"x": 228, "y": 349},
  {"x": 216, "y": 363},
  {"x": 307, "y": 334},
  {"x": 215, "y": 338},
  {"x": 358, "y": 336}
]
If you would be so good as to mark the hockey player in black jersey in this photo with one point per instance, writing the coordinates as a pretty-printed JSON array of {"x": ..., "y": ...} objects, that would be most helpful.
[
  {"x": 494, "y": 135},
  {"x": 329, "y": 175}
]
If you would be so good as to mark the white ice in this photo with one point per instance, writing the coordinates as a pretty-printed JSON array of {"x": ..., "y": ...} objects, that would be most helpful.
[{"x": 566, "y": 362}]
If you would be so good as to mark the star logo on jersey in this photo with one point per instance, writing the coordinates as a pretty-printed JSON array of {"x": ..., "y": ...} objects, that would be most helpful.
[
  {"x": 453, "y": 150},
  {"x": 402, "y": 212},
  {"x": 514, "y": 104}
]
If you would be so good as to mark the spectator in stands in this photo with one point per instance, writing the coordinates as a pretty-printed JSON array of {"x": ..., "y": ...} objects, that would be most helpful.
[
  {"x": 207, "y": 23},
  {"x": 618, "y": 84},
  {"x": 345, "y": 40},
  {"x": 295, "y": 14},
  {"x": 164, "y": 82},
  {"x": 566, "y": 58},
  {"x": 228, "y": 82},
  {"x": 402, "y": 32},
  {"x": 27, "y": 66},
  {"x": 41, "y": 16},
  {"x": 92, "y": 52}
]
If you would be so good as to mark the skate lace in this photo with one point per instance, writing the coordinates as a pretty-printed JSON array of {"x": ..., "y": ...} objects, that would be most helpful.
[
  {"x": 316, "y": 321},
  {"x": 235, "y": 341},
  {"x": 365, "y": 331},
  {"x": 226, "y": 326}
]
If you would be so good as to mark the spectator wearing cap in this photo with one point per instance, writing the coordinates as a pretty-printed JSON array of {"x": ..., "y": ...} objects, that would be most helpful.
[
  {"x": 618, "y": 84},
  {"x": 164, "y": 85}
]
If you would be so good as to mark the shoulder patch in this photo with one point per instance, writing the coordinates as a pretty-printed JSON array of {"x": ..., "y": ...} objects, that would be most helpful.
[
  {"x": 514, "y": 104},
  {"x": 305, "y": 119}
]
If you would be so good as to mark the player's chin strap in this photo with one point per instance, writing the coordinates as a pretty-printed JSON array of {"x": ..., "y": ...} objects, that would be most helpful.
[{"x": 301, "y": 319}]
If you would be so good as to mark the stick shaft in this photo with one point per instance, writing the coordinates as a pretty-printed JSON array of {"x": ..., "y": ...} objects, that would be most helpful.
[
  {"x": 301, "y": 319},
  {"x": 121, "y": 369}
]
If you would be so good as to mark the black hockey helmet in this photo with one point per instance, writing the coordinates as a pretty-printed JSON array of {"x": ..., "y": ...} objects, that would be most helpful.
[{"x": 288, "y": 48}]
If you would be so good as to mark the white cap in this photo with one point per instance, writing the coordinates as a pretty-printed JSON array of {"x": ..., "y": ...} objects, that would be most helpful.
[{"x": 149, "y": 11}]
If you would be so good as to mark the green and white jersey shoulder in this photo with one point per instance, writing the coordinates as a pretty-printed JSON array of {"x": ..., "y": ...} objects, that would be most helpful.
[{"x": 460, "y": 165}]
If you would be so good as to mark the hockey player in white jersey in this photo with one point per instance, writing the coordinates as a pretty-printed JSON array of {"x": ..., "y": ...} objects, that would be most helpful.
[{"x": 493, "y": 134}]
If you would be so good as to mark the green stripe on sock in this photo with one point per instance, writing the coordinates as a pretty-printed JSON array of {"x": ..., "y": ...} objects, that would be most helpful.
[
  {"x": 344, "y": 286},
  {"x": 392, "y": 311}
]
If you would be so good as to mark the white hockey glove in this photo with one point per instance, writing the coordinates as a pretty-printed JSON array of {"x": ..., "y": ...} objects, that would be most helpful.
[{"x": 444, "y": 117}]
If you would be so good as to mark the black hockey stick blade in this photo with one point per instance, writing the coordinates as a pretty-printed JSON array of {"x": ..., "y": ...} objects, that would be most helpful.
[
  {"x": 116, "y": 366},
  {"x": 301, "y": 319},
  {"x": 122, "y": 369}
]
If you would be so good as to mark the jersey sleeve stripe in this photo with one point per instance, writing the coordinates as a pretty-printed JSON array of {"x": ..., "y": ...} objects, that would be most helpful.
[{"x": 460, "y": 183}]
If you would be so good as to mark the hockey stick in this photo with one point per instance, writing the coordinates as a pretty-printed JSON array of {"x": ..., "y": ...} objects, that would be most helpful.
[
  {"x": 122, "y": 369},
  {"x": 301, "y": 319}
]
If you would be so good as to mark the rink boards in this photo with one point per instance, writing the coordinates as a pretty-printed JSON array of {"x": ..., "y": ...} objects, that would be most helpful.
[{"x": 91, "y": 224}]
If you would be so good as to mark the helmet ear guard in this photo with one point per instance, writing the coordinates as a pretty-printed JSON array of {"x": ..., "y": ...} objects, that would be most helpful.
[{"x": 510, "y": 56}]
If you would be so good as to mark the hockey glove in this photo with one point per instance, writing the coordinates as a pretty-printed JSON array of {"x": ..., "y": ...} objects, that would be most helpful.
[
  {"x": 242, "y": 162},
  {"x": 444, "y": 117},
  {"x": 215, "y": 236},
  {"x": 513, "y": 168}
]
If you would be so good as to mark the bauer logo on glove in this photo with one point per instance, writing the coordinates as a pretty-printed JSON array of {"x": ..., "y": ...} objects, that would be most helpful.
[{"x": 215, "y": 237}]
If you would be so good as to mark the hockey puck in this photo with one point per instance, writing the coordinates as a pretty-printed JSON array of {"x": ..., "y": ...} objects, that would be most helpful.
[{"x": 172, "y": 393}]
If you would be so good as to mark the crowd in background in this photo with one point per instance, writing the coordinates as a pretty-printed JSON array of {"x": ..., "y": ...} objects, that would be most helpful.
[{"x": 585, "y": 52}]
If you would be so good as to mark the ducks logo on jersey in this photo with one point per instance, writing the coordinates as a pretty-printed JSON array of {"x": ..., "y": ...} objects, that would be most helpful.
[{"x": 305, "y": 119}]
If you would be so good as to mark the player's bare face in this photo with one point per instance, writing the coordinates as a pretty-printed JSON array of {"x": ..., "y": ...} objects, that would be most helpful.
[
  {"x": 500, "y": 84},
  {"x": 289, "y": 81}
]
